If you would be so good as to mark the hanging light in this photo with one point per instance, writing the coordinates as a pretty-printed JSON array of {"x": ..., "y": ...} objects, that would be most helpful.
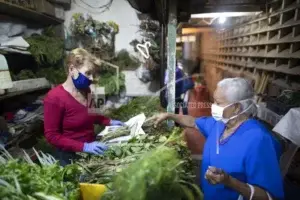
[
  {"x": 223, "y": 14},
  {"x": 222, "y": 19}
]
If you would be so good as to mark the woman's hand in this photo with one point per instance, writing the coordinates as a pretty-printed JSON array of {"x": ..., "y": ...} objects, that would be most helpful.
[
  {"x": 116, "y": 123},
  {"x": 216, "y": 176},
  {"x": 96, "y": 148}
]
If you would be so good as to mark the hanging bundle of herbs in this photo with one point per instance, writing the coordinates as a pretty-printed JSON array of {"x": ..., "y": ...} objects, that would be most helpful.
[
  {"x": 46, "y": 48},
  {"x": 109, "y": 81},
  {"x": 95, "y": 36},
  {"x": 125, "y": 61}
]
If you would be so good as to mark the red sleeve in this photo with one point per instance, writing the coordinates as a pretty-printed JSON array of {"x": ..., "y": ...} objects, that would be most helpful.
[
  {"x": 53, "y": 117},
  {"x": 100, "y": 119}
]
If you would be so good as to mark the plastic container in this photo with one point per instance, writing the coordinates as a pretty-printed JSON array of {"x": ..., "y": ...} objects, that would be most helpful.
[{"x": 91, "y": 191}]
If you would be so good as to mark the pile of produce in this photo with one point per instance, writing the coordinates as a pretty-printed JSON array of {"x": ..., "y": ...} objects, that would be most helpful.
[
  {"x": 156, "y": 165},
  {"x": 25, "y": 180},
  {"x": 157, "y": 174},
  {"x": 147, "y": 167}
]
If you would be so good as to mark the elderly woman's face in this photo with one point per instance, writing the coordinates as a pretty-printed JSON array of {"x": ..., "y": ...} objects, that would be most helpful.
[{"x": 221, "y": 100}]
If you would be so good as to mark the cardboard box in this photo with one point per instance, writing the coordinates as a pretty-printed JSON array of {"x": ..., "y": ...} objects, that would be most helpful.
[
  {"x": 45, "y": 7},
  {"x": 66, "y": 4}
]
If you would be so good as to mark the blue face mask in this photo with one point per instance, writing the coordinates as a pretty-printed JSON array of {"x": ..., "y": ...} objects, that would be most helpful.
[{"x": 81, "y": 82}]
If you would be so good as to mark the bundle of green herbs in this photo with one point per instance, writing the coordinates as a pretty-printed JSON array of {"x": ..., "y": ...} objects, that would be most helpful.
[
  {"x": 156, "y": 165},
  {"x": 46, "y": 48},
  {"x": 109, "y": 168},
  {"x": 25, "y": 180},
  {"x": 102, "y": 169},
  {"x": 109, "y": 80},
  {"x": 156, "y": 174},
  {"x": 147, "y": 105}
]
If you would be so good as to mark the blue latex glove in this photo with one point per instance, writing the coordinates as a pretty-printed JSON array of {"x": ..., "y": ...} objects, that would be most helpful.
[
  {"x": 97, "y": 148},
  {"x": 116, "y": 123}
]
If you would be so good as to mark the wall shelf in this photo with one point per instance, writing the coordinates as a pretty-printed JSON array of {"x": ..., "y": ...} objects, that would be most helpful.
[
  {"x": 268, "y": 42},
  {"x": 26, "y": 86},
  {"x": 27, "y": 14}
]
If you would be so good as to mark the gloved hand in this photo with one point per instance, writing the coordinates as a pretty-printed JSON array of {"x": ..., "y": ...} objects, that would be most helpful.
[
  {"x": 116, "y": 123},
  {"x": 97, "y": 148}
]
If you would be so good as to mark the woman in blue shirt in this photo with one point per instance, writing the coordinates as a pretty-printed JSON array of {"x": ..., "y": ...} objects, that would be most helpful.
[{"x": 240, "y": 157}]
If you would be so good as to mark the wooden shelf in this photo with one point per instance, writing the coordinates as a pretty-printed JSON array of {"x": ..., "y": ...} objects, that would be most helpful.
[
  {"x": 269, "y": 42},
  {"x": 27, "y": 14},
  {"x": 272, "y": 28},
  {"x": 262, "y": 66},
  {"x": 26, "y": 86}
]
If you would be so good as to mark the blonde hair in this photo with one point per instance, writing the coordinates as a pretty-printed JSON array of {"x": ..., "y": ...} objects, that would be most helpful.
[{"x": 79, "y": 57}]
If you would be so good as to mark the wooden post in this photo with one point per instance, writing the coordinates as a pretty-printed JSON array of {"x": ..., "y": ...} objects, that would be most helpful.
[{"x": 171, "y": 55}]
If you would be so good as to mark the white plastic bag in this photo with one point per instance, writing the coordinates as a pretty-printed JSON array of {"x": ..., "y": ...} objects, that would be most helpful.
[{"x": 135, "y": 125}]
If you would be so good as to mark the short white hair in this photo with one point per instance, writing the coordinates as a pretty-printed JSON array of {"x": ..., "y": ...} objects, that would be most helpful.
[{"x": 239, "y": 89}]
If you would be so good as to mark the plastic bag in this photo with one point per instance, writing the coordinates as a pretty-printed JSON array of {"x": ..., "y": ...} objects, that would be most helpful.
[{"x": 144, "y": 74}]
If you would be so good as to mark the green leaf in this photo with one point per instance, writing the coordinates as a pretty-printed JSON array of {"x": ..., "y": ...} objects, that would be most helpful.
[
  {"x": 162, "y": 139},
  {"x": 43, "y": 196},
  {"x": 188, "y": 193}
]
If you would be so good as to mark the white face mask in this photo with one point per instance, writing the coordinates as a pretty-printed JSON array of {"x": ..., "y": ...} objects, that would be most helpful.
[{"x": 218, "y": 111}]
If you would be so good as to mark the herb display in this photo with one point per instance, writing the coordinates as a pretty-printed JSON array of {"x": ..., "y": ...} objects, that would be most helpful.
[
  {"x": 24, "y": 74},
  {"x": 109, "y": 81},
  {"x": 150, "y": 31},
  {"x": 156, "y": 175},
  {"x": 55, "y": 75},
  {"x": 95, "y": 36},
  {"x": 46, "y": 48},
  {"x": 125, "y": 61},
  {"x": 147, "y": 105},
  {"x": 156, "y": 162},
  {"x": 25, "y": 180}
]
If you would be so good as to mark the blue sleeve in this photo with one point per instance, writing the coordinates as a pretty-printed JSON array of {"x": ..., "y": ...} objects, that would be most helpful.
[
  {"x": 188, "y": 84},
  {"x": 262, "y": 166},
  {"x": 204, "y": 124}
]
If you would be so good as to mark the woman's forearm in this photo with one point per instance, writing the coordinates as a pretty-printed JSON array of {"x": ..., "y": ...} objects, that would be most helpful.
[
  {"x": 184, "y": 120},
  {"x": 245, "y": 191}
]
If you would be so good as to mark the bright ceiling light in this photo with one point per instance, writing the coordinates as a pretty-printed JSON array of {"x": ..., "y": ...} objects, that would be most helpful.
[
  {"x": 222, "y": 20},
  {"x": 223, "y": 14}
]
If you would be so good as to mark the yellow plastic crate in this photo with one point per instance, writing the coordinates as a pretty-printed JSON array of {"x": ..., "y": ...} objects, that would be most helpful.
[{"x": 91, "y": 191}]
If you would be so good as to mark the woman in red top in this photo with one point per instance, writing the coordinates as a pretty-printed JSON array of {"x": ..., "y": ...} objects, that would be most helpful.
[{"x": 68, "y": 124}]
